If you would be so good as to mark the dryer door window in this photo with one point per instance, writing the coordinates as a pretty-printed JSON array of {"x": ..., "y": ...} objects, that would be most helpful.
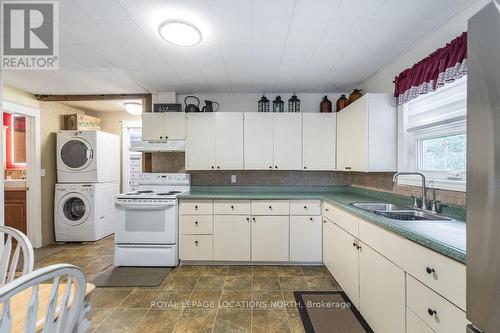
[
  {"x": 76, "y": 154},
  {"x": 74, "y": 209}
]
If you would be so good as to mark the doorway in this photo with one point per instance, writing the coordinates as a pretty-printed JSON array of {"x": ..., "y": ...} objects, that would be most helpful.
[{"x": 22, "y": 170}]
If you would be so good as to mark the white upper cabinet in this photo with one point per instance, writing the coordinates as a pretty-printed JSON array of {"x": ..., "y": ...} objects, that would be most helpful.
[
  {"x": 288, "y": 141},
  {"x": 366, "y": 135},
  {"x": 318, "y": 141},
  {"x": 229, "y": 140},
  {"x": 200, "y": 141},
  {"x": 158, "y": 126},
  {"x": 258, "y": 148}
]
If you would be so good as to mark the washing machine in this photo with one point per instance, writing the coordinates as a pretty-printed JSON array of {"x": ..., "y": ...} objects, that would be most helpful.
[
  {"x": 87, "y": 157},
  {"x": 84, "y": 212}
]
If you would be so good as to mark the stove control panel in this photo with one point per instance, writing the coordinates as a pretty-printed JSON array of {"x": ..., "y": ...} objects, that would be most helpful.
[{"x": 164, "y": 179}]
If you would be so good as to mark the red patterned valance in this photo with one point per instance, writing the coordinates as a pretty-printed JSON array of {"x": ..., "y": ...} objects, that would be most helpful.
[{"x": 444, "y": 65}]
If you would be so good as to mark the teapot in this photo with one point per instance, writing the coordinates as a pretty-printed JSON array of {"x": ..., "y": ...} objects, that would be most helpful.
[
  {"x": 209, "y": 106},
  {"x": 192, "y": 107}
]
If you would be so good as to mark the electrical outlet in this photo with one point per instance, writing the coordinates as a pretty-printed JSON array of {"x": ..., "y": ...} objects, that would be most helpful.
[{"x": 233, "y": 179}]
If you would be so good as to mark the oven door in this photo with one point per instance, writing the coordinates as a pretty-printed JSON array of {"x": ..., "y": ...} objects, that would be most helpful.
[{"x": 146, "y": 224}]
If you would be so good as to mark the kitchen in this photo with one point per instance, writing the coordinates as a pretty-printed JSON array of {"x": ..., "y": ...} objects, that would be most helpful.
[{"x": 254, "y": 158}]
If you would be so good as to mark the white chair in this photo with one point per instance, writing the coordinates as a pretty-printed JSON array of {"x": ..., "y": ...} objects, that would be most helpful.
[
  {"x": 50, "y": 308},
  {"x": 10, "y": 260}
]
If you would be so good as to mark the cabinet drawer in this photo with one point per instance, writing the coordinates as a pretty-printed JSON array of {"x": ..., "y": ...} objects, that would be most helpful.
[
  {"x": 445, "y": 276},
  {"x": 415, "y": 324},
  {"x": 196, "y": 207},
  {"x": 196, "y": 224},
  {"x": 272, "y": 207},
  {"x": 327, "y": 211},
  {"x": 233, "y": 207},
  {"x": 196, "y": 247},
  {"x": 441, "y": 315},
  {"x": 345, "y": 220},
  {"x": 305, "y": 207}
]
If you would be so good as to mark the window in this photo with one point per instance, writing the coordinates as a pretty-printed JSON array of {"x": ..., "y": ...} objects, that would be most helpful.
[{"x": 432, "y": 137}]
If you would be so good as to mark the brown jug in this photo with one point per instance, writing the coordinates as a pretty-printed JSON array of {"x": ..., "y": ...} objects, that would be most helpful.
[
  {"x": 356, "y": 93},
  {"x": 342, "y": 102},
  {"x": 325, "y": 105}
]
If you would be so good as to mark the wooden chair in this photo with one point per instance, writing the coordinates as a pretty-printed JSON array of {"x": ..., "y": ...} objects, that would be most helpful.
[
  {"x": 10, "y": 260},
  {"x": 30, "y": 304}
]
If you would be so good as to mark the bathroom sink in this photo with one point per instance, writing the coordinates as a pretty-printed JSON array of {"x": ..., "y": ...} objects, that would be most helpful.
[{"x": 399, "y": 213}]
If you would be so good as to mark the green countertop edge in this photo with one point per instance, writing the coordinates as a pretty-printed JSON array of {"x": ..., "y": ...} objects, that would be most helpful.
[{"x": 336, "y": 196}]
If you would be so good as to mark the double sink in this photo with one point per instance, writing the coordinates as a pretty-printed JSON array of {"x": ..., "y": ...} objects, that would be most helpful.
[{"x": 399, "y": 213}]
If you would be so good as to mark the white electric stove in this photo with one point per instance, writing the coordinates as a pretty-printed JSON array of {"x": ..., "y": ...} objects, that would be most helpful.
[{"x": 146, "y": 233}]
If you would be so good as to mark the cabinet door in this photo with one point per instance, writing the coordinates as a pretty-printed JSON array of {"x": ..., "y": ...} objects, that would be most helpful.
[
  {"x": 258, "y": 135},
  {"x": 270, "y": 238},
  {"x": 414, "y": 324},
  {"x": 153, "y": 126},
  {"x": 229, "y": 140},
  {"x": 305, "y": 238},
  {"x": 380, "y": 279},
  {"x": 328, "y": 248},
  {"x": 318, "y": 141},
  {"x": 175, "y": 125},
  {"x": 232, "y": 237},
  {"x": 352, "y": 137},
  {"x": 345, "y": 256},
  {"x": 200, "y": 141},
  {"x": 288, "y": 141}
]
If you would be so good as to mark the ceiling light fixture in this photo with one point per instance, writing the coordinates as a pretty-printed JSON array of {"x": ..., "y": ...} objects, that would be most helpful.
[
  {"x": 133, "y": 108},
  {"x": 180, "y": 33}
]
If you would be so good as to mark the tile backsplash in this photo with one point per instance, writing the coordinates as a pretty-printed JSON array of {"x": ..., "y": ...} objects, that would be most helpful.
[{"x": 380, "y": 181}]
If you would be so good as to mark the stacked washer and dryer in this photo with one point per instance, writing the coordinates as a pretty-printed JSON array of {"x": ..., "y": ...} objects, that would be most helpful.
[{"x": 88, "y": 179}]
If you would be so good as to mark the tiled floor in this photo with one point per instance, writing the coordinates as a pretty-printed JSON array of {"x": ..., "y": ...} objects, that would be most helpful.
[{"x": 197, "y": 298}]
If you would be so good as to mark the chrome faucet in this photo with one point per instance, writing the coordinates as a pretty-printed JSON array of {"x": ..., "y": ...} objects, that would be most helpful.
[{"x": 424, "y": 189}]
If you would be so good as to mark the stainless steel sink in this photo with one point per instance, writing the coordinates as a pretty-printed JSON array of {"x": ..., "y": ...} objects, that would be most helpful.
[{"x": 399, "y": 213}]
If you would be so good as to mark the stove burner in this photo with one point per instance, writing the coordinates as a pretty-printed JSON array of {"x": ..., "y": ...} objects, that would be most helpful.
[
  {"x": 169, "y": 193},
  {"x": 144, "y": 191}
]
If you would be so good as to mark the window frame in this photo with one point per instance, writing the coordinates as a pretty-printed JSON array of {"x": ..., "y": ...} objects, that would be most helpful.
[{"x": 410, "y": 150}]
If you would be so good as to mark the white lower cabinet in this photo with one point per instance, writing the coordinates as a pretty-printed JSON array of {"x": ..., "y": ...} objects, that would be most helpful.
[
  {"x": 381, "y": 292},
  {"x": 232, "y": 237},
  {"x": 305, "y": 231},
  {"x": 270, "y": 238},
  {"x": 328, "y": 244},
  {"x": 196, "y": 247},
  {"x": 345, "y": 262}
]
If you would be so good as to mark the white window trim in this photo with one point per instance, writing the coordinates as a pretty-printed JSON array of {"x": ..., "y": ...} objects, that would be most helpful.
[
  {"x": 126, "y": 152},
  {"x": 407, "y": 152}
]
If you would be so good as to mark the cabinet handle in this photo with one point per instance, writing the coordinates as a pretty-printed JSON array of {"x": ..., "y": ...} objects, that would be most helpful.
[
  {"x": 161, "y": 137},
  {"x": 310, "y": 218},
  {"x": 305, "y": 167},
  {"x": 327, "y": 209},
  {"x": 270, "y": 207},
  {"x": 358, "y": 247},
  {"x": 431, "y": 312},
  {"x": 276, "y": 167},
  {"x": 166, "y": 137},
  {"x": 253, "y": 218},
  {"x": 196, "y": 243},
  {"x": 248, "y": 219},
  {"x": 218, "y": 167},
  {"x": 324, "y": 221},
  {"x": 232, "y": 207},
  {"x": 305, "y": 207},
  {"x": 196, "y": 207},
  {"x": 354, "y": 244},
  {"x": 430, "y": 270},
  {"x": 212, "y": 167},
  {"x": 196, "y": 223},
  {"x": 270, "y": 167}
]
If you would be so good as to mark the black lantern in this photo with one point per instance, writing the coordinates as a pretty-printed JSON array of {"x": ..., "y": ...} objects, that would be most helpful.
[
  {"x": 263, "y": 104},
  {"x": 294, "y": 104},
  {"x": 278, "y": 105}
]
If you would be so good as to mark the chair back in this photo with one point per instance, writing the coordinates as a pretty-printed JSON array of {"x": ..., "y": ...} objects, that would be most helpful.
[
  {"x": 10, "y": 259},
  {"x": 61, "y": 311}
]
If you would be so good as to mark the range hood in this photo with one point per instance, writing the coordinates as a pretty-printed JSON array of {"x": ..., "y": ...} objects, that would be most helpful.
[{"x": 158, "y": 146}]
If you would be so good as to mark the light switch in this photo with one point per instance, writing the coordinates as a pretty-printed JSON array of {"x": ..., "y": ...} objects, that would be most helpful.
[
  {"x": 233, "y": 179},
  {"x": 42, "y": 173}
]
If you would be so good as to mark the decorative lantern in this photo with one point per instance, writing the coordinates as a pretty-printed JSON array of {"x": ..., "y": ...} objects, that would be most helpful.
[
  {"x": 294, "y": 104},
  {"x": 263, "y": 104},
  {"x": 278, "y": 105}
]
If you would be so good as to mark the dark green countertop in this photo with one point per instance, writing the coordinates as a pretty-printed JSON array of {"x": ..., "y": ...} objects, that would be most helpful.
[{"x": 447, "y": 238}]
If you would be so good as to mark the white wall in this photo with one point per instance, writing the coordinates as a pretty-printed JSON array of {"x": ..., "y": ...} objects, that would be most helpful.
[
  {"x": 382, "y": 80},
  {"x": 309, "y": 102}
]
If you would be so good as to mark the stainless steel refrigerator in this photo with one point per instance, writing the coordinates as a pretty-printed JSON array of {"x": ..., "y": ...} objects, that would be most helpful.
[{"x": 483, "y": 170}]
